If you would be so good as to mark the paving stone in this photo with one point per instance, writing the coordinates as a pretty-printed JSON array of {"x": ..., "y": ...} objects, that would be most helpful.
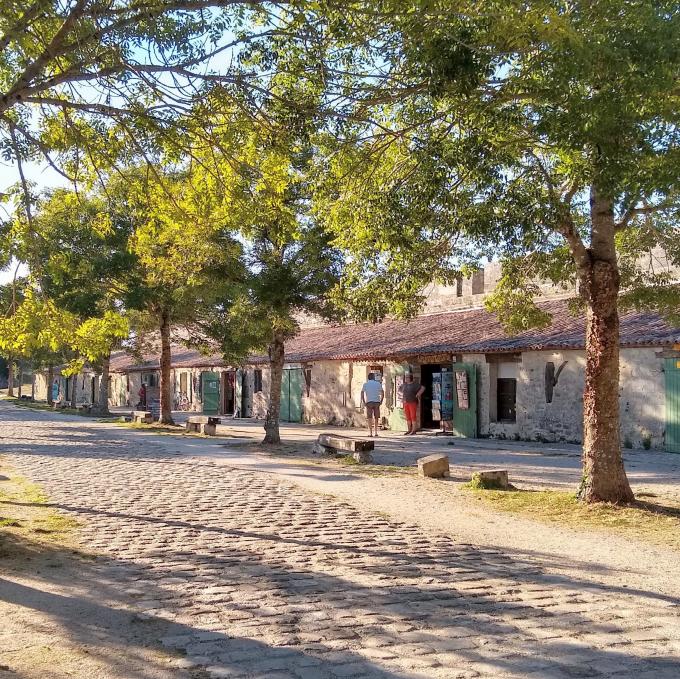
[{"x": 258, "y": 578}]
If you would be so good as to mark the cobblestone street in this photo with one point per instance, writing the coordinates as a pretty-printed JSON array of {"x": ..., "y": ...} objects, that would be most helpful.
[{"x": 254, "y": 577}]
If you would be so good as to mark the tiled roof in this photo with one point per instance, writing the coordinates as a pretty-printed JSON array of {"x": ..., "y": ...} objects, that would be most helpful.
[{"x": 469, "y": 331}]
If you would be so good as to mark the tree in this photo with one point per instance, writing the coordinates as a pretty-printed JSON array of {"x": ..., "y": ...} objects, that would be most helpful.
[
  {"x": 94, "y": 340},
  {"x": 544, "y": 134},
  {"x": 11, "y": 296},
  {"x": 260, "y": 170},
  {"x": 186, "y": 259},
  {"x": 37, "y": 331},
  {"x": 77, "y": 251},
  {"x": 70, "y": 71}
]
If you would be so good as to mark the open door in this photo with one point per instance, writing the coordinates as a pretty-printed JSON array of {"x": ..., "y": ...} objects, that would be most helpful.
[{"x": 465, "y": 400}]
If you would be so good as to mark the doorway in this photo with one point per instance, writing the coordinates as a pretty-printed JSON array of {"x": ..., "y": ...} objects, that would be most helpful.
[
  {"x": 228, "y": 392},
  {"x": 430, "y": 378}
]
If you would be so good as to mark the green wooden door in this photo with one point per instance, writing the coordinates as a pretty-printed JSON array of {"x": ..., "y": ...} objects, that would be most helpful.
[
  {"x": 672, "y": 374},
  {"x": 291, "y": 395},
  {"x": 465, "y": 400},
  {"x": 397, "y": 420},
  {"x": 210, "y": 389}
]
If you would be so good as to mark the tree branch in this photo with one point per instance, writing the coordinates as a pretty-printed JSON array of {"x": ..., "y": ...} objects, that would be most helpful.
[{"x": 633, "y": 212}]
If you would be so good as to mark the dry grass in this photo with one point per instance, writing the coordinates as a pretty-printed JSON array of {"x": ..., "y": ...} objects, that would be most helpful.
[
  {"x": 654, "y": 520},
  {"x": 27, "y": 518},
  {"x": 41, "y": 405},
  {"x": 155, "y": 427}
]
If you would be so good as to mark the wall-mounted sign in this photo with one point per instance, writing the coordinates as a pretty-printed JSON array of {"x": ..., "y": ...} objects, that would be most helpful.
[{"x": 462, "y": 391}]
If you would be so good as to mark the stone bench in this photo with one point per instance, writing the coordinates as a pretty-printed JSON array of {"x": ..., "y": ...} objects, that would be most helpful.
[
  {"x": 206, "y": 423},
  {"x": 332, "y": 444},
  {"x": 142, "y": 417},
  {"x": 434, "y": 466}
]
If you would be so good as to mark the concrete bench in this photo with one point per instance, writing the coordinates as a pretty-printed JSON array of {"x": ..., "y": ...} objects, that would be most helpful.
[
  {"x": 434, "y": 466},
  {"x": 206, "y": 423},
  {"x": 360, "y": 449},
  {"x": 142, "y": 417}
]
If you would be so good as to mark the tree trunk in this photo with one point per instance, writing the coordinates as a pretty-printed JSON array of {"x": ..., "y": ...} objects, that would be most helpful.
[
  {"x": 103, "y": 405},
  {"x": 166, "y": 364},
  {"x": 276, "y": 360},
  {"x": 20, "y": 386},
  {"x": 74, "y": 391},
  {"x": 604, "y": 477},
  {"x": 50, "y": 382},
  {"x": 10, "y": 377}
]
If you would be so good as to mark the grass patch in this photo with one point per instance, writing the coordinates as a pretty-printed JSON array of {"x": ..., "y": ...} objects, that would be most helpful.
[
  {"x": 478, "y": 483},
  {"x": 155, "y": 427},
  {"x": 6, "y": 522},
  {"x": 657, "y": 522},
  {"x": 26, "y": 517},
  {"x": 347, "y": 460},
  {"x": 40, "y": 405}
]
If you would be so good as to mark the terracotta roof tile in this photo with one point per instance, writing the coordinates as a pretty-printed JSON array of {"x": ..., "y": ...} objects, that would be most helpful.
[{"x": 469, "y": 331}]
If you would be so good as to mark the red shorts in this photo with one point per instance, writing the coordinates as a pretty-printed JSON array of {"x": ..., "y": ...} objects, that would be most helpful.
[{"x": 411, "y": 411}]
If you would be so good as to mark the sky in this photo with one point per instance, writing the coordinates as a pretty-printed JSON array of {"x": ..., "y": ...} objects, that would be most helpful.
[{"x": 40, "y": 174}]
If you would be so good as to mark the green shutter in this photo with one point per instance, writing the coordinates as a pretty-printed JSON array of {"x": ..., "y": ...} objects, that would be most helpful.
[
  {"x": 291, "y": 395},
  {"x": 672, "y": 378},
  {"x": 465, "y": 418},
  {"x": 210, "y": 383}
]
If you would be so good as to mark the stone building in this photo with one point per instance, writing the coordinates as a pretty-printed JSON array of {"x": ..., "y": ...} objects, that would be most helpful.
[{"x": 479, "y": 381}]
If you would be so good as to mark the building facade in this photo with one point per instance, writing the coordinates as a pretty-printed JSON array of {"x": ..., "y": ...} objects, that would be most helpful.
[{"x": 479, "y": 382}]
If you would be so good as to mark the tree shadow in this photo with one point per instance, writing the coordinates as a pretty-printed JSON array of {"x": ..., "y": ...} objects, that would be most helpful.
[{"x": 249, "y": 575}]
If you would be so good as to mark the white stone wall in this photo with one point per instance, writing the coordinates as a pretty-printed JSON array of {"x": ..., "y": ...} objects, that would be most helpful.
[
  {"x": 335, "y": 395},
  {"x": 561, "y": 420},
  {"x": 642, "y": 398},
  {"x": 440, "y": 298}
]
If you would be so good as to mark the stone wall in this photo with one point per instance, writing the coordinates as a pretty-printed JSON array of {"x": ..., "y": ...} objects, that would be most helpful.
[
  {"x": 642, "y": 398},
  {"x": 335, "y": 394},
  {"x": 472, "y": 291}
]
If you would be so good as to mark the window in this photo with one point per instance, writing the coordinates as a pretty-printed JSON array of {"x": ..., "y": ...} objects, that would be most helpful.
[
  {"x": 377, "y": 370},
  {"x": 183, "y": 384},
  {"x": 149, "y": 379},
  {"x": 258, "y": 380},
  {"x": 308, "y": 380},
  {"x": 506, "y": 393}
]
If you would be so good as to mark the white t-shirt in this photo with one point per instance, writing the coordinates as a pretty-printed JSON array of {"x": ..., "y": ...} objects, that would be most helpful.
[{"x": 372, "y": 391}]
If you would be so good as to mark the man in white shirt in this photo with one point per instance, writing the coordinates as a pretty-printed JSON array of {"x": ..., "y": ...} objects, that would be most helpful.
[{"x": 372, "y": 395}]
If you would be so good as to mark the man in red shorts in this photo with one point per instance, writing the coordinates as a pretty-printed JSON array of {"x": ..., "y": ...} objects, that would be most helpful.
[{"x": 412, "y": 393}]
